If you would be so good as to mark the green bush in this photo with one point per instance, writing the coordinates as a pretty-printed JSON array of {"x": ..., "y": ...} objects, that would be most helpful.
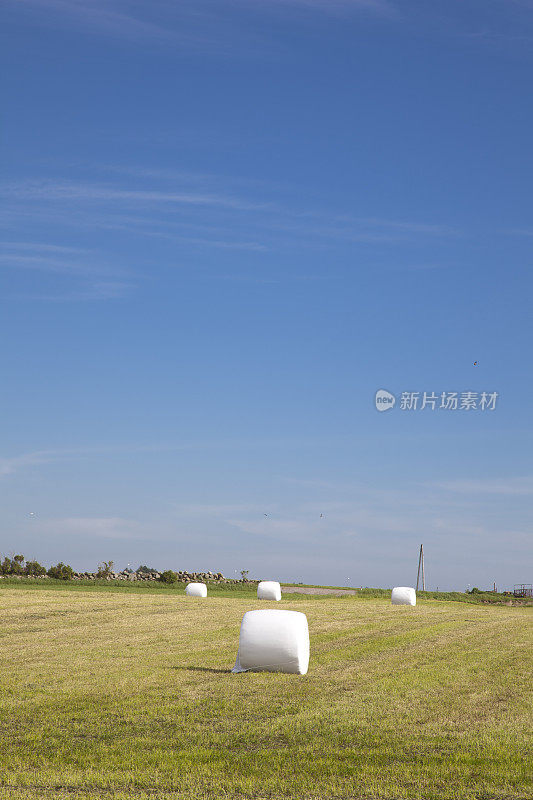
[
  {"x": 12, "y": 566},
  {"x": 5, "y": 566},
  {"x": 105, "y": 569},
  {"x": 144, "y": 570},
  {"x": 34, "y": 568},
  {"x": 61, "y": 572},
  {"x": 168, "y": 576}
]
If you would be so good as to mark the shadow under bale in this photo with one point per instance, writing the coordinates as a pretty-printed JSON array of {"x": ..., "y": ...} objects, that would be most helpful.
[{"x": 204, "y": 669}]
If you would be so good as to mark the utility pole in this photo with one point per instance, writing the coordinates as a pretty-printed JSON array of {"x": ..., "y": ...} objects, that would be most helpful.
[{"x": 421, "y": 564}]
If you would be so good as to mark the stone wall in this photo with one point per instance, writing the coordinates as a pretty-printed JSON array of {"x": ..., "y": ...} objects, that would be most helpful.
[{"x": 127, "y": 575}]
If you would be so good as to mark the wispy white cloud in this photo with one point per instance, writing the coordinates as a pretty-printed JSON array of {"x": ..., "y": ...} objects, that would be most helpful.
[
  {"x": 192, "y": 212},
  {"x": 181, "y": 216},
  {"x": 347, "y": 515},
  {"x": 217, "y": 509},
  {"x": 403, "y": 225},
  {"x": 330, "y": 6},
  {"x": 198, "y": 24},
  {"x": 356, "y": 229},
  {"x": 358, "y": 528},
  {"x": 76, "y": 265},
  {"x": 106, "y": 19},
  {"x": 488, "y": 36},
  {"x": 8, "y": 466},
  {"x": 200, "y": 241},
  {"x": 49, "y": 190},
  {"x": 54, "y": 258},
  {"x": 497, "y": 486},
  {"x": 365, "y": 510},
  {"x": 46, "y": 263},
  {"x": 41, "y": 247},
  {"x": 102, "y": 290},
  {"x": 520, "y": 231},
  {"x": 101, "y": 527},
  {"x": 12, "y": 464}
]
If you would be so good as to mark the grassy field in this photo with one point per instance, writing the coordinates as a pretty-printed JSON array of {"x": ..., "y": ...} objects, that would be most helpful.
[
  {"x": 109, "y": 694},
  {"x": 239, "y": 589}
]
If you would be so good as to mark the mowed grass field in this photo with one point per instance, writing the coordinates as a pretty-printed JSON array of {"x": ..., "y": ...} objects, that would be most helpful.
[{"x": 129, "y": 695}]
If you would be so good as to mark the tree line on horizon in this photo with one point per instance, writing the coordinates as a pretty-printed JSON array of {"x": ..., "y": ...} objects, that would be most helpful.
[{"x": 18, "y": 566}]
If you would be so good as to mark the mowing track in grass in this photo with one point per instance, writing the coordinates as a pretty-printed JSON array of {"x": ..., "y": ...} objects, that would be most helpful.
[{"x": 129, "y": 695}]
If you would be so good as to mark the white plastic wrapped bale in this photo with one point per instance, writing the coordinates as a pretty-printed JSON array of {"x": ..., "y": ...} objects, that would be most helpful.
[
  {"x": 273, "y": 641},
  {"x": 196, "y": 590},
  {"x": 268, "y": 590},
  {"x": 403, "y": 596}
]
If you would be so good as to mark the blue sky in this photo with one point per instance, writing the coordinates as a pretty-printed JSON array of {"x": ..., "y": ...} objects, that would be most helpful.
[{"x": 226, "y": 225}]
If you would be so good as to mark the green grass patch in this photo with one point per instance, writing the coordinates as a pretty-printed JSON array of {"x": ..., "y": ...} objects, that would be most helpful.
[
  {"x": 126, "y": 692},
  {"x": 126, "y": 587},
  {"x": 238, "y": 589}
]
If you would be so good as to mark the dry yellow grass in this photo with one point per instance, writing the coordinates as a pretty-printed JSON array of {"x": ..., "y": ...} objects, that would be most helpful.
[{"x": 130, "y": 696}]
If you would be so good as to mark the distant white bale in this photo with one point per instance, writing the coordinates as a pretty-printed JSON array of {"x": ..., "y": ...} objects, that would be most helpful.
[
  {"x": 269, "y": 590},
  {"x": 196, "y": 590},
  {"x": 273, "y": 641},
  {"x": 403, "y": 596}
]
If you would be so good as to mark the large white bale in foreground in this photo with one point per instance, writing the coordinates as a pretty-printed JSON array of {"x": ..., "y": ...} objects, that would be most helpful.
[
  {"x": 403, "y": 596},
  {"x": 268, "y": 590},
  {"x": 196, "y": 590},
  {"x": 273, "y": 641}
]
